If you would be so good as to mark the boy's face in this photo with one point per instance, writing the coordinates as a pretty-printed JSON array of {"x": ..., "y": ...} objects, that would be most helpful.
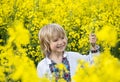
[{"x": 58, "y": 44}]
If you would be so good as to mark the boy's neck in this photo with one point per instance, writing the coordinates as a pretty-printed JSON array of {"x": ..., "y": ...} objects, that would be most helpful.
[{"x": 56, "y": 57}]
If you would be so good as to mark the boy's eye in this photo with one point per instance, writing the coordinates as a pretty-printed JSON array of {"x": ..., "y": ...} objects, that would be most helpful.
[
  {"x": 55, "y": 40},
  {"x": 62, "y": 37}
]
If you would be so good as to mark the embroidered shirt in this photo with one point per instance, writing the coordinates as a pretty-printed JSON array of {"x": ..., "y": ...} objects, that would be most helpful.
[
  {"x": 73, "y": 57},
  {"x": 56, "y": 71}
]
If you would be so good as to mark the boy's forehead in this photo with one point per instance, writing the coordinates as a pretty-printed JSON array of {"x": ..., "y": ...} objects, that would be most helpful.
[{"x": 57, "y": 35}]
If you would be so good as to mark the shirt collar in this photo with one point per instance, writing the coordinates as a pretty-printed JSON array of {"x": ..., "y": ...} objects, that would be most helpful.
[{"x": 48, "y": 61}]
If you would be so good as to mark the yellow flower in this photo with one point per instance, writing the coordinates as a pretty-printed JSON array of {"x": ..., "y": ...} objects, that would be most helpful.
[
  {"x": 107, "y": 34},
  {"x": 18, "y": 33}
]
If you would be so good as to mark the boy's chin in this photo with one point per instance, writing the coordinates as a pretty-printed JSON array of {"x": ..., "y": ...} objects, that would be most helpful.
[{"x": 60, "y": 50}]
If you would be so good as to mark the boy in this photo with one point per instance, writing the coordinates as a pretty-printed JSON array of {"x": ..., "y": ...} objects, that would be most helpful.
[{"x": 53, "y": 41}]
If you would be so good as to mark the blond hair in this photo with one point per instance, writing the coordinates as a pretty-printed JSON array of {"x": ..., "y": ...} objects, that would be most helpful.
[{"x": 47, "y": 33}]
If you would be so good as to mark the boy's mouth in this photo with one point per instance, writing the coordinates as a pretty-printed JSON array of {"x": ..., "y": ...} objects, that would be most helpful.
[{"x": 61, "y": 46}]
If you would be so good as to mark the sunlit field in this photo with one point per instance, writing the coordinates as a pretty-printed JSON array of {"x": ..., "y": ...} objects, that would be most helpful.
[{"x": 20, "y": 52}]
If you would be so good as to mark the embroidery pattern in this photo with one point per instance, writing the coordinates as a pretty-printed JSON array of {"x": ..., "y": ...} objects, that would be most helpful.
[{"x": 66, "y": 75}]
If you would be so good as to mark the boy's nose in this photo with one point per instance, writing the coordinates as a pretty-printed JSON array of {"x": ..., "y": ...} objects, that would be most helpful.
[{"x": 60, "y": 42}]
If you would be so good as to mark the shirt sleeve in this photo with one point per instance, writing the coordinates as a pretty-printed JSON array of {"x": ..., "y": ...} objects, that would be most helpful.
[
  {"x": 40, "y": 70},
  {"x": 73, "y": 58},
  {"x": 43, "y": 69},
  {"x": 91, "y": 55},
  {"x": 78, "y": 56}
]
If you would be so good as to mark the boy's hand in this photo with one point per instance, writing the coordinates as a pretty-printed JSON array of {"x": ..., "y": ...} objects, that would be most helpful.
[
  {"x": 92, "y": 39},
  {"x": 93, "y": 47}
]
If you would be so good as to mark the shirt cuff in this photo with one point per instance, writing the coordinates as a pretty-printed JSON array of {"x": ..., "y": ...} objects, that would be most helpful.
[{"x": 95, "y": 51}]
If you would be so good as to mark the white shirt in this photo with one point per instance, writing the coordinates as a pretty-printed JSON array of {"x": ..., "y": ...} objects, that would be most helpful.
[
  {"x": 72, "y": 57},
  {"x": 91, "y": 55}
]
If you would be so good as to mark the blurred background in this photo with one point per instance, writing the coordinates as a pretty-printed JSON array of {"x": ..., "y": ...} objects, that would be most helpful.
[{"x": 20, "y": 21}]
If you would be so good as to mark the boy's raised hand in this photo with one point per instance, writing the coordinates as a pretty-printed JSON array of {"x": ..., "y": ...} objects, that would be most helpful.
[{"x": 93, "y": 39}]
